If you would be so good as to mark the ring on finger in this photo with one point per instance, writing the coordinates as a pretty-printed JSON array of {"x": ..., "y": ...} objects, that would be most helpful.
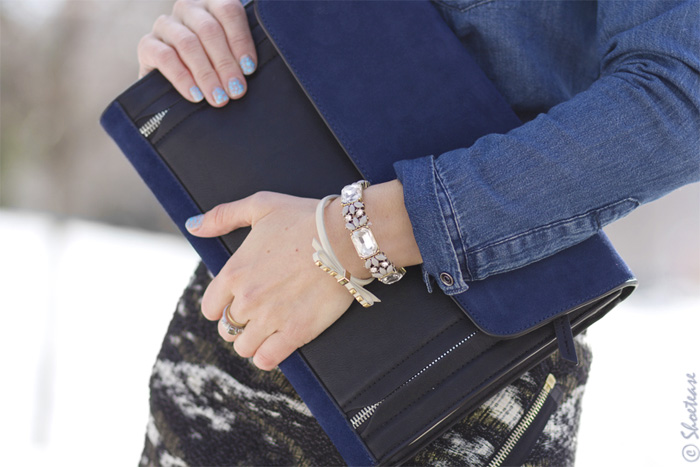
[{"x": 232, "y": 326}]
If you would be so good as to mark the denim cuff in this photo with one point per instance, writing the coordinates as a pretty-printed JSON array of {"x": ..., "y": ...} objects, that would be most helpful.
[{"x": 434, "y": 225}]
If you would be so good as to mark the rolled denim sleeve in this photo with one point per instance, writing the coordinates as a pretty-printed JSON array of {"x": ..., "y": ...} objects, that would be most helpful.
[{"x": 631, "y": 137}]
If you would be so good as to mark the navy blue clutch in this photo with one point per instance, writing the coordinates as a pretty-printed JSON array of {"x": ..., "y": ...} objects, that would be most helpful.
[{"x": 342, "y": 91}]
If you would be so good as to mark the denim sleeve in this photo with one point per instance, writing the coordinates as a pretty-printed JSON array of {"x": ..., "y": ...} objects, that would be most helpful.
[{"x": 633, "y": 136}]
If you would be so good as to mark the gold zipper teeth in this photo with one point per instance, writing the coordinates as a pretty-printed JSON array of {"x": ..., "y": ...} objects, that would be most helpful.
[
  {"x": 152, "y": 124},
  {"x": 524, "y": 423},
  {"x": 363, "y": 415}
]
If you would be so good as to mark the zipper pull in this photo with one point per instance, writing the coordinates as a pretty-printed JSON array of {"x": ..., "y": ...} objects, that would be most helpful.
[
  {"x": 565, "y": 339},
  {"x": 550, "y": 382}
]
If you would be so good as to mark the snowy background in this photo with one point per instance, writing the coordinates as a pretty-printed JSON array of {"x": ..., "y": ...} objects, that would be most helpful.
[{"x": 91, "y": 269}]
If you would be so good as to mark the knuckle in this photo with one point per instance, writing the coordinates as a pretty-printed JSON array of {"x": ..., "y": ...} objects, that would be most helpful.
[
  {"x": 187, "y": 43},
  {"x": 148, "y": 45},
  {"x": 181, "y": 6},
  {"x": 160, "y": 22},
  {"x": 184, "y": 8},
  {"x": 230, "y": 275},
  {"x": 262, "y": 197},
  {"x": 207, "y": 76},
  {"x": 233, "y": 6},
  {"x": 182, "y": 76},
  {"x": 219, "y": 215},
  {"x": 267, "y": 360},
  {"x": 143, "y": 43},
  {"x": 239, "y": 39},
  {"x": 208, "y": 308},
  {"x": 209, "y": 29},
  {"x": 242, "y": 349},
  {"x": 225, "y": 63},
  {"x": 164, "y": 57},
  {"x": 227, "y": 9},
  {"x": 142, "y": 49}
]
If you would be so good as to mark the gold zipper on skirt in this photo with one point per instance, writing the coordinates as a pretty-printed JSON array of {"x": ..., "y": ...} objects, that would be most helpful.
[{"x": 524, "y": 423}]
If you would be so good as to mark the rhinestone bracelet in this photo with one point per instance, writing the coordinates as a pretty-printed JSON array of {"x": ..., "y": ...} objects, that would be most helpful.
[
  {"x": 357, "y": 223},
  {"x": 324, "y": 257}
]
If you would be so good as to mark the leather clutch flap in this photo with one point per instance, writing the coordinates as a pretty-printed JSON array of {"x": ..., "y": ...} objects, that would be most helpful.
[{"x": 342, "y": 91}]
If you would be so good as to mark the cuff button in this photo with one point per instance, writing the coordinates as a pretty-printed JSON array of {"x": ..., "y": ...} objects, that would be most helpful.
[{"x": 446, "y": 279}]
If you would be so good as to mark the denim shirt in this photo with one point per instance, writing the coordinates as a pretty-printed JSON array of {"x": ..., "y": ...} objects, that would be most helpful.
[{"x": 610, "y": 93}]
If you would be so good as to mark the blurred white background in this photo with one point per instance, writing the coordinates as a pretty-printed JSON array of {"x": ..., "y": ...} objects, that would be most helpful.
[{"x": 87, "y": 293}]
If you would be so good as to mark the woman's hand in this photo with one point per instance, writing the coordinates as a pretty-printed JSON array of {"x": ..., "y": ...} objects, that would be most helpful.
[
  {"x": 204, "y": 48},
  {"x": 271, "y": 282}
]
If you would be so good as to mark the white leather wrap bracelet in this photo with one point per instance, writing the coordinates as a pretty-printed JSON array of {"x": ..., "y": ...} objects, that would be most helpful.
[
  {"x": 357, "y": 222},
  {"x": 324, "y": 257}
]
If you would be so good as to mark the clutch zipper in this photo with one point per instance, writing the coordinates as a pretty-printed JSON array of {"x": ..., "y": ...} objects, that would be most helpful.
[
  {"x": 366, "y": 412},
  {"x": 524, "y": 423},
  {"x": 148, "y": 128}
]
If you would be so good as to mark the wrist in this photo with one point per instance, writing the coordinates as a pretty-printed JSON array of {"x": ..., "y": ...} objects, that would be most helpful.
[{"x": 391, "y": 227}]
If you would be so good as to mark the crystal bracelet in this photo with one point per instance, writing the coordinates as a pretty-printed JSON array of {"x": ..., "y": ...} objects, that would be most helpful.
[
  {"x": 324, "y": 257},
  {"x": 357, "y": 222}
]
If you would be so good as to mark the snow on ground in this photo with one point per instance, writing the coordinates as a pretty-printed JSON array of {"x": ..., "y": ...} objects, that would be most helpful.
[
  {"x": 633, "y": 408},
  {"x": 85, "y": 307},
  {"x": 84, "y": 310}
]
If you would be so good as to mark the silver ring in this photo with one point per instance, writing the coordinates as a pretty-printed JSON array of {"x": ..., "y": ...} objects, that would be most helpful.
[{"x": 234, "y": 328}]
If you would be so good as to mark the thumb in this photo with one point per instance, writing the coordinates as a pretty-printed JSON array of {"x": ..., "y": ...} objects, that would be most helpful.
[{"x": 222, "y": 219}]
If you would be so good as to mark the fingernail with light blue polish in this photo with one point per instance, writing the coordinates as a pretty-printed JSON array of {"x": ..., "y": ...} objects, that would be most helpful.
[
  {"x": 220, "y": 96},
  {"x": 196, "y": 94},
  {"x": 235, "y": 87},
  {"x": 194, "y": 222},
  {"x": 247, "y": 65}
]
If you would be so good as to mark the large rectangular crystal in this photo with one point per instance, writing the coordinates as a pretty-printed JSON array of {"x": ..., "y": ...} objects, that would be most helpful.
[{"x": 364, "y": 242}]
